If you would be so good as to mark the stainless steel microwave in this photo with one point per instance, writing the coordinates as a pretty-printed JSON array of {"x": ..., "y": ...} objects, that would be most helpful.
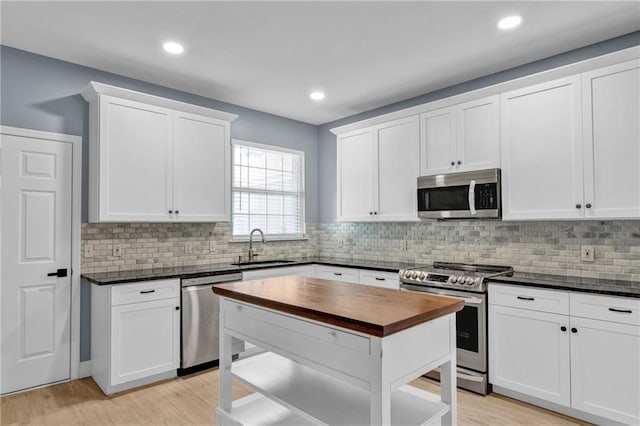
[{"x": 460, "y": 195}]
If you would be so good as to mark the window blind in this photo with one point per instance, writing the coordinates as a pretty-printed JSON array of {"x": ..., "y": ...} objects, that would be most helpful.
[{"x": 267, "y": 191}]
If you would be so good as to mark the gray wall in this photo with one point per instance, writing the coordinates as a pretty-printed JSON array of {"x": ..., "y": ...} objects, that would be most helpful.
[
  {"x": 42, "y": 93},
  {"x": 327, "y": 140}
]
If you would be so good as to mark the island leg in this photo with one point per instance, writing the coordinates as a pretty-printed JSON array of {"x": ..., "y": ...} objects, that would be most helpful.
[
  {"x": 448, "y": 382},
  {"x": 224, "y": 367},
  {"x": 380, "y": 400}
]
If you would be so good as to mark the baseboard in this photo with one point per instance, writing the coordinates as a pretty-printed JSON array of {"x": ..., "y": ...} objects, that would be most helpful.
[
  {"x": 84, "y": 370},
  {"x": 567, "y": 411}
]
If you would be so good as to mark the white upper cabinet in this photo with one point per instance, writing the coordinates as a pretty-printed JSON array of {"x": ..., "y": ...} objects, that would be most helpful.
[
  {"x": 611, "y": 123},
  {"x": 542, "y": 151},
  {"x": 156, "y": 160},
  {"x": 571, "y": 147},
  {"x": 378, "y": 169},
  {"x": 460, "y": 138}
]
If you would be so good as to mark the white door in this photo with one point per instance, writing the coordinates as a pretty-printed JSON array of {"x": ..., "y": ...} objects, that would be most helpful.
[
  {"x": 36, "y": 242},
  {"x": 135, "y": 162},
  {"x": 145, "y": 339},
  {"x": 605, "y": 369},
  {"x": 397, "y": 150},
  {"x": 202, "y": 161},
  {"x": 529, "y": 353},
  {"x": 478, "y": 138},
  {"x": 438, "y": 141},
  {"x": 612, "y": 141},
  {"x": 541, "y": 144},
  {"x": 355, "y": 176}
]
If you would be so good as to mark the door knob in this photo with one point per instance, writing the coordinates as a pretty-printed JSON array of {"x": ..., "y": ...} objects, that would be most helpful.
[{"x": 59, "y": 273}]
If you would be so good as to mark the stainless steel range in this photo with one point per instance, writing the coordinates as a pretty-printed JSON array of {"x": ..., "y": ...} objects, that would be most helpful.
[{"x": 468, "y": 282}]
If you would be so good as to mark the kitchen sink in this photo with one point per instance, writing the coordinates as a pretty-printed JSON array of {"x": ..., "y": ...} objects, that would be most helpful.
[{"x": 262, "y": 263}]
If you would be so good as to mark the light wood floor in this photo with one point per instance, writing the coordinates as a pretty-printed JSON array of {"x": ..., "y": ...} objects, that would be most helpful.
[{"x": 191, "y": 400}]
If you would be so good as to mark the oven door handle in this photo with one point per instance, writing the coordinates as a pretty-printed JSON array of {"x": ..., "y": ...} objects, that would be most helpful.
[
  {"x": 467, "y": 300},
  {"x": 472, "y": 197}
]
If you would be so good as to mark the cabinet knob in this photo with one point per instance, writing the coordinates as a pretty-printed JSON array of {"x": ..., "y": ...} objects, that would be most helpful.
[
  {"x": 574, "y": 330},
  {"x": 370, "y": 212},
  {"x": 563, "y": 328},
  {"x": 375, "y": 212},
  {"x": 453, "y": 163},
  {"x": 459, "y": 162},
  {"x": 578, "y": 206},
  {"x": 170, "y": 211},
  {"x": 588, "y": 205},
  {"x": 177, "y": 211},
  {"x": 177, "y": 308}
]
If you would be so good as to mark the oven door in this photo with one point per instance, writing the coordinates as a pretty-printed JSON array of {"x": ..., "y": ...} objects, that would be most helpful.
[{"x": 471, "y": 326}]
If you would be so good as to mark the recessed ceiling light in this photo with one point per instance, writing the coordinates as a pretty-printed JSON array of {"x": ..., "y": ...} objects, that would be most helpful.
[
  {"x": 316, "y": 96},
  {"x": 173, "y": 47},
  {"x": 509, "y": 22}
]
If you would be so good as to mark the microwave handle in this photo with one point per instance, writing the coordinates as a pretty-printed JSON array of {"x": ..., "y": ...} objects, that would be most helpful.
[{"x": 472, "y": 197}]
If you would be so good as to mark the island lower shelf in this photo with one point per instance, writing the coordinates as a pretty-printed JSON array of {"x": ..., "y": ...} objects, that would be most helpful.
[{"x": 321, "y": 399}]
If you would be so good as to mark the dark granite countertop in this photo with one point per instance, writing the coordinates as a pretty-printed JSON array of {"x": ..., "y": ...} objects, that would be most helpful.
[
  {"x": 119, "y": 277},
  {"x": 560, "y": 282}
]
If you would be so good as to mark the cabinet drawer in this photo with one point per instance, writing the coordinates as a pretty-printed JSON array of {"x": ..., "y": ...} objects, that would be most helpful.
[
  {"x": 145, "y": 291},
  {"x": 534, "y": 299},
  {"x": 335, "y": 273},
  {"x": 380, "y": 279},
  {"x": 608, "y": 308}
]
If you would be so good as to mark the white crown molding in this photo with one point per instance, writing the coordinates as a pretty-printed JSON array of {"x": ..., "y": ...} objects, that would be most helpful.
[
  {"x": 590, "y": 64},
  {"x": 94, "y": 89}
]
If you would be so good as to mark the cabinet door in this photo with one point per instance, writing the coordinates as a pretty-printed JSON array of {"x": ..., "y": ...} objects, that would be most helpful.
[
  {"x": 478, "y": 139},
  {"x": 135, "y": 162},
  {"x": 355, "y": 176},
  {"x": 397, "y": 152},
  {"x": 437, "y": 141},
  {"x": 529, "y": 353},
  {"x": 379, "y": 279},
  {"x": 541, "y": 146},
  {"x": 303, "y": 270},
  {"x": 605, "y": 369},
  {"x": 145, "y": 339},
  {"x": 612, "y": 141},
  {"x": 201, "y": 148}
]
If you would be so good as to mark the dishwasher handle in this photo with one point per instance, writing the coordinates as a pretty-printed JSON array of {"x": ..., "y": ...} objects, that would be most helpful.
[{"x": 212, "y": 279}]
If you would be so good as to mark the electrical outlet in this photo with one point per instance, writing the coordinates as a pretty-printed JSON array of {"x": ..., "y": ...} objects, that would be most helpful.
[
  {"x": 403, "y": 245},
  {"x": 188, "y": 247},
  {"x": 340, "y": 243},
  {"x": 88, "y": 251},
  {"x": 587, "y": 253},
  {"x": 117, "y": 250},
  {"x": 212, "y": 246}
]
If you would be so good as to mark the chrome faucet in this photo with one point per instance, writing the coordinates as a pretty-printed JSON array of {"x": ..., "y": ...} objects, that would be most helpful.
[{"x": 251, "y": 253}]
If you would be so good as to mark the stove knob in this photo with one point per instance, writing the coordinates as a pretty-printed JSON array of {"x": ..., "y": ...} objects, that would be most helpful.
[
  {"x": 422, "y": 276},
  {"x": 453, "y": 279},
  {"x": 401, "y": 273},
  {"x": 470, "y": 281},
  {"x": 414, "y": 275}
]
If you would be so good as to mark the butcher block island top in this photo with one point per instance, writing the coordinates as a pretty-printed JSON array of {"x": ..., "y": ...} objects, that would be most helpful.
[
  {"x": 370, "y": 310},
  {"x": 335, "y": 354}
]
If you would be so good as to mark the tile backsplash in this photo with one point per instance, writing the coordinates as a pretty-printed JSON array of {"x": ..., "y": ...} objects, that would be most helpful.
[
  {"x": 542, "y": 247},
  {"x": 157, "y": 245}
]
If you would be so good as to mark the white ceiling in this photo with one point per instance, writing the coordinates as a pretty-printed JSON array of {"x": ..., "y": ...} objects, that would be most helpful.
[{"x": 270, "y": 55}]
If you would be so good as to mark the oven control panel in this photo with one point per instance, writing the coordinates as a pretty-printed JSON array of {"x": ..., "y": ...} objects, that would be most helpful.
[{"x": 441, "y": 280}]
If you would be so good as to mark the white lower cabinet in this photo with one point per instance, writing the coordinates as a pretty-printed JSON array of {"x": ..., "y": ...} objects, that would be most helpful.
[
  {"x": 587, "y": 357},
  {"x": 260, "y": 274},
  {"x": 530, "y": 353},
  {"x": 379, "y": 279},
  {"x": 135, "y": 333}
]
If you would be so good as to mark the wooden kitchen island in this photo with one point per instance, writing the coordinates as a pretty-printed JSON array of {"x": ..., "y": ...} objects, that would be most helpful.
[{"x": 337, "y": 353}]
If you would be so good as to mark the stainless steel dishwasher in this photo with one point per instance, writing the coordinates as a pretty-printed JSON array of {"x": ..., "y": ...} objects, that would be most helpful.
[{"x": 201, "y": 318}]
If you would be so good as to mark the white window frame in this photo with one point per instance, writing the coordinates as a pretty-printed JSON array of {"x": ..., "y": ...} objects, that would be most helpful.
[{"x": 270, "y": 237}]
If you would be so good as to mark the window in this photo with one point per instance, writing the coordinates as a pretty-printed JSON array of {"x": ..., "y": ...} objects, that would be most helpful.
[{"x": 267, "y": 191}]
